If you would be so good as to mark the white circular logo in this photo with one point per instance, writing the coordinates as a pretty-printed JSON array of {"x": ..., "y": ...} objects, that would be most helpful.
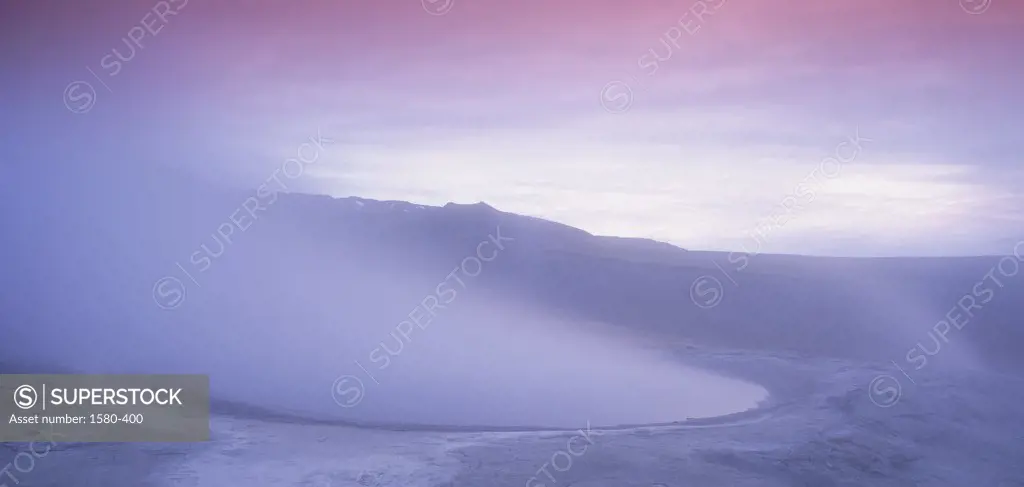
[
  {"x": 79, "y": 97},
  {"x": 348, "y": 391},
  {"x": 25, "y": 397},
  {"x": 437, "y": 7},
  {"x": 975, "y": 7},
  {"x": 616, "y": 97},
  {"x": 885, "y": 391},
  {"x": 707, "y": 292},
  {"x": 169, "y": 292}
]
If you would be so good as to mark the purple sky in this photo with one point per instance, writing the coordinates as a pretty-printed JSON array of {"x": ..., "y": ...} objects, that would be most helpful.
[{"x": 688, "y": 122}]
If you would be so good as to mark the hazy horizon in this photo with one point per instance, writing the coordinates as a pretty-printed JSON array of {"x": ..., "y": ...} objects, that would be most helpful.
[{"x": 889, "y": 133}]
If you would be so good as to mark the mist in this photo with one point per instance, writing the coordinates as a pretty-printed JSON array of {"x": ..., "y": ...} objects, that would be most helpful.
[
  {"x": 132, "y": 271},
  {"x": 393, "y": 313}
]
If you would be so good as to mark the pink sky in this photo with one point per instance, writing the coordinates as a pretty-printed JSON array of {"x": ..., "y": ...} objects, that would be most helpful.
[{"x": 726, "y": 112}]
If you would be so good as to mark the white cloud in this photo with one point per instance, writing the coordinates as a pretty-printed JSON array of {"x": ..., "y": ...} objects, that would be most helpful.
[{"x": 709, "y": 195}]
